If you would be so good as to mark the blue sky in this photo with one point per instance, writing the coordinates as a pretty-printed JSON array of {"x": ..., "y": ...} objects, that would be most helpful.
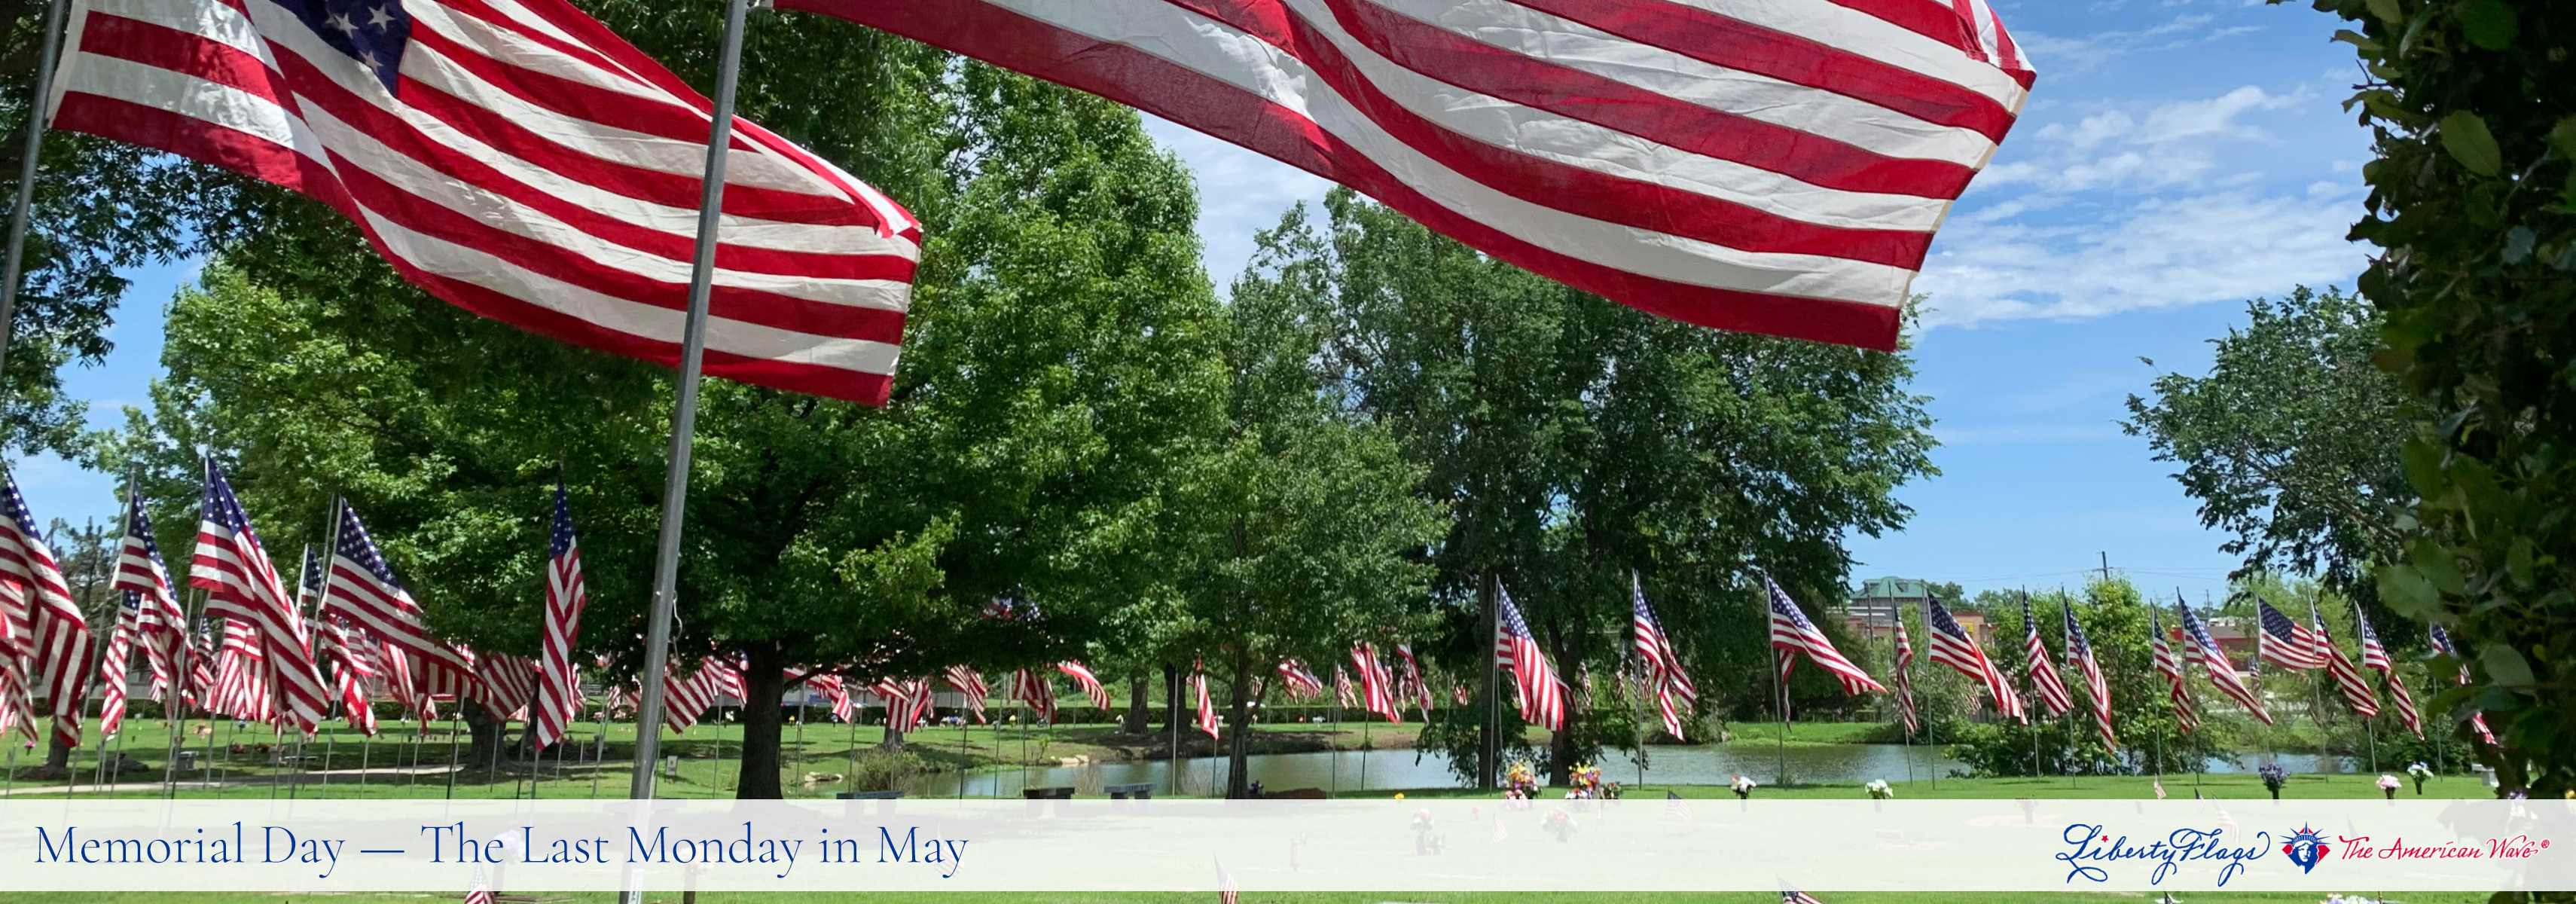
[{"x": 2176, "y": 158}]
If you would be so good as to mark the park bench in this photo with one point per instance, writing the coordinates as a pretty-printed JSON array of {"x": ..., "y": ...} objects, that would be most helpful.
[
  {"x": 885, "y": 800},
  {"x": 1138, "y": 790},
  {"x": 1064, "y": 793}
]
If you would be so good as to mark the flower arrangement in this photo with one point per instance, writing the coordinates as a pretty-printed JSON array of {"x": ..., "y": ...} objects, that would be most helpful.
[
  {"x": 1559, "y": 823},
  {"x": 1878, "y": 790},
  {"x": 1587, "y": 784},
  {"x": 1520, "y": 785},
  {"x": 2388, "y": 786},
  {"x": 2273, "y": 778},
  {"x": 2420, "y": 773},
  {"x": 1743, "y": 787}
]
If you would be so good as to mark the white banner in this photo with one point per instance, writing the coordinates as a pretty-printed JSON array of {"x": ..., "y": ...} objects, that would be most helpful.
[{"x": 1376, "y": 845}]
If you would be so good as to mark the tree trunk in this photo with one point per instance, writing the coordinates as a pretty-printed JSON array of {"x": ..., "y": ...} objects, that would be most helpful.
[
  {"x": 763, "y": 684},
  {"x": 58, "y": 755},
  {"x": 1139, "y": 715},
  {"x": 1238, "y": 778},
  {"x": 484, "y": 734}
]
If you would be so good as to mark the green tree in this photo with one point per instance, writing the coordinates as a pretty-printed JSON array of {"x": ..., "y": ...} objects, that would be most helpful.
[
  {"x": 2286, "y": 441},
  {"x": 2114, "y": 618},
  {"x": 2472, "y": 108},
  {"x": 1060, "y": 360},
  {"x": 1576, "y": 443}
]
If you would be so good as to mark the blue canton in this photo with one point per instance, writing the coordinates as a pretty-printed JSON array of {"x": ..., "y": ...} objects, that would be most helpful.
[{"x": 372, "y": 33}]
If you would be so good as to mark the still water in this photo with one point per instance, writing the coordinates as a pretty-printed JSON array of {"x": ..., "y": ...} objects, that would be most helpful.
[{"x": 1393, "y": 769}]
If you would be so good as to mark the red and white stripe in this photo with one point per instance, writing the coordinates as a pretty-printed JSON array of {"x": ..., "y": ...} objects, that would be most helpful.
[
  {"x": 1540, "y": 693},
  {"x": 115, "y": 663},
  {"x": 160, "y": 624},
  {"x": 243, "y": 588},
  {"x": 534, "y": 168},
  {"x": 2347, "y": 677},
  {"x": 907, "y": 702},
  {"x": 1298, "y": 681},
  {"x": 353, "y": 662},
  {"x": 1778, "y": 166},
  {"x": 971, "y": 686},
  {"x": 1673, "y": 689},
  {"x": 50, "y": 639},
  {"x": 1792, "y": 634},
  {"x": 358, "y": 586},
  {"x": 2375, "y": 656},
  {"x": 834, "y": 689},
  {"x": 2044, "y": 683},
  {"x": 2176, "y": 690},
  {"x": 567, "y": 594},
  {"x": 1411, "y": 680},
  {"x": 1905, "y": 680},
  {"x": 508, "y": 683},
  {"x": 2282, "y": 641},
  {"x": 1343, "y": 697},
  {"x": 2199, "y": 647},
  {"x": 1090, "y": 683},
  {"x": 1377, "y": 687},
  {"x": 1952, "y": 646},
  {"x": 685, "y": 699},
  {"x": 1207, "y": 707},
  {"x": 1031, "y": 686}
]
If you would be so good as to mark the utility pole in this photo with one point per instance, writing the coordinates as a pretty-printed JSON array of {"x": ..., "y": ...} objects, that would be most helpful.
[{"x": 2106, "y": 567}]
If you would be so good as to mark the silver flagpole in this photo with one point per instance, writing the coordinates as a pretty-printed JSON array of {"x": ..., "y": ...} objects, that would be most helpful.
[
  {"x": 18, "y": 213},
  {"x": 684, "y": 419}
]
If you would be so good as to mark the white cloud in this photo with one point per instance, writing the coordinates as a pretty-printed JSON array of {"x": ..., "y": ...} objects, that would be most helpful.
[
  {"x": 2160, "y": 252},
  {"x": 2053, "y": 53}
]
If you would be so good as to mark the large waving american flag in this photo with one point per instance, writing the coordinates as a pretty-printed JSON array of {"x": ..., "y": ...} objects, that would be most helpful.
[
  {"x": 2185, "y": 714},
  {"x": 1952, "y": 646},
  {"x": 2198, "y": 646},
  {"x": 1540, "y": 693},
  {"x": 1207, "y": 720},
  {"x": 970, "y": 686},
  {"x": 1792, "y": 634},
  {"x": 2374, "y": 656},
  {"x": 45, "y": 632},
  {"x": 1377, "y": 683},
  {"x": 558, "y": 684},
  {"x": 2044, "y": 683},
  {"x": 518, "y": 160},
  {"x": 1776, "y": 166},
  {"x": 1663, "y": 665},
  {"x": 1031, "y": 686},
  {"x": 242, "y": 587}
]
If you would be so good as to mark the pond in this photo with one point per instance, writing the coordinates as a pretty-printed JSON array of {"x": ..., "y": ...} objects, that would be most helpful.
[{"x": 1395, "y": 769}]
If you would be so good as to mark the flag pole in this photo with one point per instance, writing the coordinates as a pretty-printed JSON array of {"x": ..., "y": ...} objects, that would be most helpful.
[
  {"x": 10, "y": 272},
  {"x": 684, "y": 415}
]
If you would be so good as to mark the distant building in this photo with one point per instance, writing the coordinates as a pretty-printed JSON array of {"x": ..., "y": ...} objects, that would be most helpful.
[{"x": 1876, "y": 601}]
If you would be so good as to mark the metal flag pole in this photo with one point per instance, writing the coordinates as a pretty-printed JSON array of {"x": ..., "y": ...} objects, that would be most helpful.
[
  {"x": 1780, "y": 694},
  {"x": 684, "y": 412},
  {"x": 10, "y": 271}
]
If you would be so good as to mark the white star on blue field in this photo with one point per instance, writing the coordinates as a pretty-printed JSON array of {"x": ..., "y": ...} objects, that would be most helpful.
[{"x": 2176, "y": 158}]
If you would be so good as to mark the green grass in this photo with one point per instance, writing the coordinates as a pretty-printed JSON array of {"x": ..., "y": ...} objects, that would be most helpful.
[{"x": 1256, "y": 897}]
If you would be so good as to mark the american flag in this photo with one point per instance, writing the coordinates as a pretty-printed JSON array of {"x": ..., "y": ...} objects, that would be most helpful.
[
  {"x": 1377, "y": 686},
  {"x": 2285, "y": 642},
  {"x": 241, "y": 688},
  {"x": 354, "y": 662},
  {"x": 2347, "y": 677},
  {"x": 1663, "y": 665},
  {"x": 50, "y": 638},
  {"x": 1951, "y": 646},
  {"x": 971, "y": 686},
  {"x": 1342, "y": 696},
  {"x": 2079, "y": 649},
  {"x": 685, "y": 699},
  {"x": 1540, "y": 692},
  {"x": 1676, "y": 807},
  {"x": 1792, "y": 633},
  {"x": 1207, "y": 708},
  {"x": 2176, "y": 690},
  {"x": 2199, "y": 645},
  {"x": 508, "y": 683},
  {"x": 1789, "y": 895},
  {"x": 358, "y": 585},
  {"x": 1298, "y": 681},
  {"x": 1411, "y": 679},
  {"x": 834, "y": 689},
  {"x": 2442, "y": 645},
  {"x": 116, "y": 663},
  {"x": 1090, "y": 683},
  {"x": 518, "y": 160},
  {"x": 242, "y": 587},
  {"x": 1031, "y": 686},
  {"x": 481, "y": 891},
  {"x": 1776, "y": 167},
  {"x": 2375, "y": 656},
  {"x": 200, "y": 671},
  {"x": 558, "y": 683},
  {"x": 1905, "y": 679},
  {"x": 1226, "y": 891},
  {"x": 140, "y": 573},
  {"x": 2044, "y": 683}
]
